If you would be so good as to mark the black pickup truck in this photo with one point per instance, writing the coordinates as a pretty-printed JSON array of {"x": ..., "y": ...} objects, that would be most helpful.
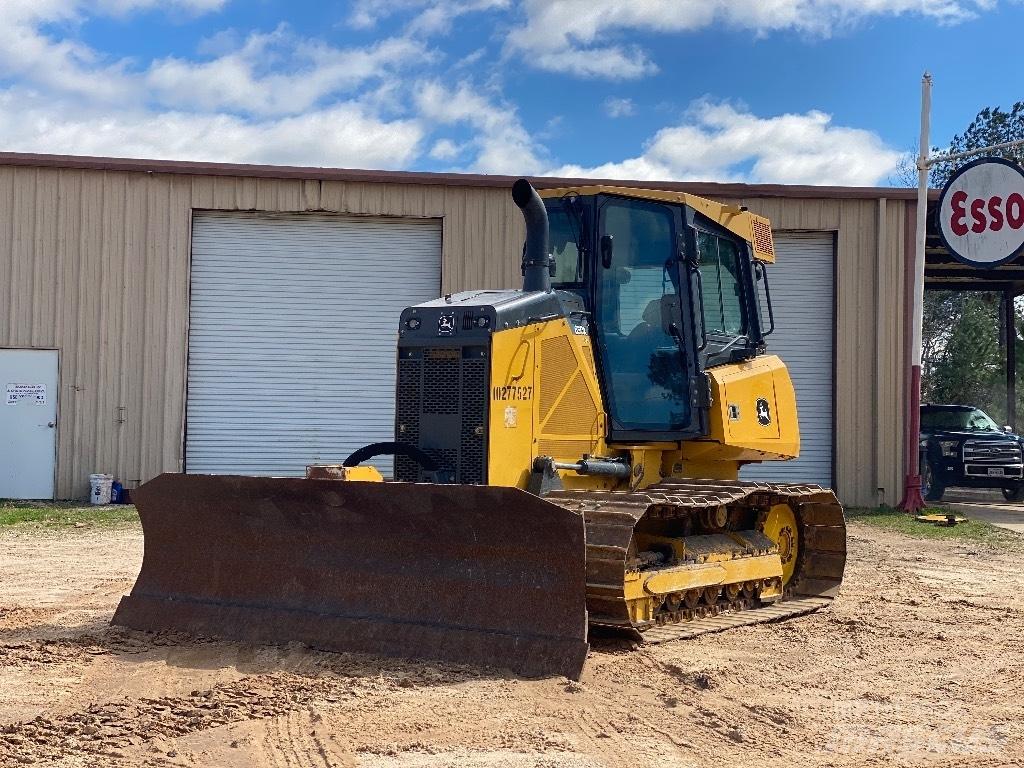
[{"x": 963, "y": 447}]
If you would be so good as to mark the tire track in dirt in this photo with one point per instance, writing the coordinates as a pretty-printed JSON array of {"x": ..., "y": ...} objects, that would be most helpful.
[
  {"x": 111, "y": 729},
  {"x": 291, "y": 742}
]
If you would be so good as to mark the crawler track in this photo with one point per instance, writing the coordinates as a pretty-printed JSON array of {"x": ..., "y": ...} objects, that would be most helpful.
[{"x": 612, "y": 518}]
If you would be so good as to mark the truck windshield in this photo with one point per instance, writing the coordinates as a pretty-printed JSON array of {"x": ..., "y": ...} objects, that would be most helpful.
[
  {"x": 957, "y": 419},
  {"x": 637, "y": 307}
]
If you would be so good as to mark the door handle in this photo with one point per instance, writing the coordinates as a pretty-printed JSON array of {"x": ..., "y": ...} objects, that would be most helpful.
[{"x": 51, "y": 424}]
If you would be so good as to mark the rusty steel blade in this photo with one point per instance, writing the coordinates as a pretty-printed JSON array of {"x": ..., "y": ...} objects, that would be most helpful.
[{"x": 474, "y": 574}]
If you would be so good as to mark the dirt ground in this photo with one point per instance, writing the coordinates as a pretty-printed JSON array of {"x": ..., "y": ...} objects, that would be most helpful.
[{"x": 920, "y": 661}]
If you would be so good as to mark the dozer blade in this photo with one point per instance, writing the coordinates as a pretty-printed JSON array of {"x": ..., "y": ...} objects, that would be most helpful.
[{"x": 481, "y": 575}]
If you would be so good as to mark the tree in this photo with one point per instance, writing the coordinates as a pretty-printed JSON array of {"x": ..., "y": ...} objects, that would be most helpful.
[
  {"x": 991, "y": 126},
  {"x": 962, "y": 358},
  {"x": 963, "y": 353}
]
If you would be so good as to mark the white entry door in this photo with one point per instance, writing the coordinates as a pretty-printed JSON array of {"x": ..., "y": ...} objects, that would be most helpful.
[{"x": 28, "y": 423}]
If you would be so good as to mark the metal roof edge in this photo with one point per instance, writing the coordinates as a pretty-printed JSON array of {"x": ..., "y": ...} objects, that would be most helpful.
[{"x": 197, "y": 168}]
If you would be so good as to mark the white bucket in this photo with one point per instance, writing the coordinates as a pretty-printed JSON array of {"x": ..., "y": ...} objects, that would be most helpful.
[{"x": 100, "y": 488}]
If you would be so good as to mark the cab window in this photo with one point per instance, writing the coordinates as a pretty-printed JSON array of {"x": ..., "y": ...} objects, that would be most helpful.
[
  {"x": 562, "y": 239},
  {"x": 721, "y": 285}
]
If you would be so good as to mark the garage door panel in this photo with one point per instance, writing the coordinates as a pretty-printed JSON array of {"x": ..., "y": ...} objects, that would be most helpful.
[
  {"x": 802, "y": 286},
  {"x": 292, "y": 335}
]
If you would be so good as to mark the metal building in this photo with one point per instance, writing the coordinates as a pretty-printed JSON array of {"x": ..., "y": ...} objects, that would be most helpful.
[{"x": 173, "y": 316}]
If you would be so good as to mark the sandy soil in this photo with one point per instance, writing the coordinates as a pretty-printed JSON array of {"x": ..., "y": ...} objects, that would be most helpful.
[{"x": 919, "y": 662}]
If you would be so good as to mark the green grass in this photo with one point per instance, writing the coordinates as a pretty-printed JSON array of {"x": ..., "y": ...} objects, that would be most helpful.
[
  {"x": 57, "y": 515},
  {"x": 973, "y": 530}
]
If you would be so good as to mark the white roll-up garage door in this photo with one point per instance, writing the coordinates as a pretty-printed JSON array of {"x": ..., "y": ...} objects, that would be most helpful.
[
  {"x": 801, "y": 282},
  {"x": 292, "y": 331}
]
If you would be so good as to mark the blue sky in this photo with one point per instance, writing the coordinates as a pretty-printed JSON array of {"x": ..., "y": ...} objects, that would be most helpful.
[{"x": 787, "y": 91}]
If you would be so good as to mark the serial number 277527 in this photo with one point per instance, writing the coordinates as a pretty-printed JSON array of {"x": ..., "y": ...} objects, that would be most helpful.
[{"x": 512, "y": 392}]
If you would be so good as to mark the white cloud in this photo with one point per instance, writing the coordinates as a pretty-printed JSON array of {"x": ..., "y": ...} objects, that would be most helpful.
[
  {"x": 438, "y": 16},
  {"x": 342, "y": 135},
  {"x": 719, "y": 142},
  {"x": 569, "y": 35},
  {"x": 612, "y": 62},
  {"x": 501, "y": 142},
  {"x": 270, "y": 98},
  {"x": 615, "y": 107},
  {"x": 277, "y": 73},
  {"x": 432, "y": 16},
  {"x": 67, "y": 66},
  {"x": 119, "y": 7},
  {"x": 445, "y": 149}
]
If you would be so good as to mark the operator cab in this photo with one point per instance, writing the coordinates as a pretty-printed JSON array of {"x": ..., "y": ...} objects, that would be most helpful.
[{"x": 670, "y": 293}]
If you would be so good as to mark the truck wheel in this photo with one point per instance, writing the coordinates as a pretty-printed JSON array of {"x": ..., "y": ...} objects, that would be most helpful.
[
  {"x": 1014, "y": 493},
  {"x": 930, "y": 487}
]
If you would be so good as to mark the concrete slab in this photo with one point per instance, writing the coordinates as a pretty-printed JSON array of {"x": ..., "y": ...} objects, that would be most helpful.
[{"x": 990, "y": 506}]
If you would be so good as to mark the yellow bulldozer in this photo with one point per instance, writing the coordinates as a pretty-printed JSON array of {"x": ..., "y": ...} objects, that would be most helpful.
[{"x": 566, "y": 459}]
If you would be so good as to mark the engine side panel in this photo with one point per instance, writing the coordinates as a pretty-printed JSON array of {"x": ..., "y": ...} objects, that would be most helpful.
[{"x": 545, "y": 400}]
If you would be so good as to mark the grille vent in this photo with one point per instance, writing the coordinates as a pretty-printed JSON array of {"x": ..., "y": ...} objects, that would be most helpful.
[
  {"x": 444, "y": 381},
  {"x": 576, "y": 413},
  {"x": 558, "y": 364},
  {"x": 762, "y": 233},
  {"x": 407, "y": 412},
  {"x": 474, "y": 421},
  {"x": 569, "y": 415},
  {"x": 441, "y": 381}
]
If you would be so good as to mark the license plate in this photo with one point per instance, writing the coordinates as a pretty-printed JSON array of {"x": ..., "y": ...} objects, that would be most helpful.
[{"x": 996, "y": 471}]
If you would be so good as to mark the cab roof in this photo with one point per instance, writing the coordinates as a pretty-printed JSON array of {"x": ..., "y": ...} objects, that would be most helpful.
[{"x": 754, "y": 229}]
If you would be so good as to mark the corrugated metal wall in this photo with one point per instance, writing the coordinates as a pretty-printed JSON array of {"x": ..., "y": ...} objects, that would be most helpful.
[
  {"x": 869, "y": 336},
  {"x": 95, "y": 264}
]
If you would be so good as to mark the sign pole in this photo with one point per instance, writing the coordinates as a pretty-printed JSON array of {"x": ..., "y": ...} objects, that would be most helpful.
[{"x": 912, "y": 499}]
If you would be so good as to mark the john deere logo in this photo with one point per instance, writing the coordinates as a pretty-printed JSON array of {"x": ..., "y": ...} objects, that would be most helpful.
[
  {"x": 446, "y": 324},
  {"x": 764, "y": 413}
]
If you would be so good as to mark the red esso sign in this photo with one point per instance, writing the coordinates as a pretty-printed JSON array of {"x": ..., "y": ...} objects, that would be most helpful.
[{"x": 981, "y": 212}]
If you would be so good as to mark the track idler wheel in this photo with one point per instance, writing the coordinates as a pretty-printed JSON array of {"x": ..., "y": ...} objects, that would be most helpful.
[{"x": 781, "y": 526}]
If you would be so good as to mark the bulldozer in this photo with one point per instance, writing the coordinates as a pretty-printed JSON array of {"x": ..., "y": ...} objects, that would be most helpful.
[{"x": 565, "y": 462}]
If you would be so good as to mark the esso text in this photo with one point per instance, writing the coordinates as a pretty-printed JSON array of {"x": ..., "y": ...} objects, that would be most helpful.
[{"x": 981, "y": 214}]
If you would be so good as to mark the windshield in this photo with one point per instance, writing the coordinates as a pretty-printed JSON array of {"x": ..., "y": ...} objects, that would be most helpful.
[
  {"x": 957, "y": 420},
  {"x": 637, "y": 317}
]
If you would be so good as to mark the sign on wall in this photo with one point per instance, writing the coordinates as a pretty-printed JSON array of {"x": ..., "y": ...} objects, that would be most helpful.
[
  {"x": 26, "y": 393},
  {"x": 981, "y": 212}
]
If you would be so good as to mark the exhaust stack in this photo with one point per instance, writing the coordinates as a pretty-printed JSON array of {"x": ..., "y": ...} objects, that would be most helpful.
[{"x": 536, "y": 254}]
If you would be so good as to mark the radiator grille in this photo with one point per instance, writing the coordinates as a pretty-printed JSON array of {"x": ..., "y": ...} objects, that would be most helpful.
[
  {"x": 407, "y": 416},
  {"x": 991, "y": 452},
  {"x": 474, "y": 421},
  {"x": 441, "y": 381},
  {"x": 447, "y": 381}
]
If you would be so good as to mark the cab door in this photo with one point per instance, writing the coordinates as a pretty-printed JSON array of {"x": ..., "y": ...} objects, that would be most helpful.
[{"x": 645, "y": 366}]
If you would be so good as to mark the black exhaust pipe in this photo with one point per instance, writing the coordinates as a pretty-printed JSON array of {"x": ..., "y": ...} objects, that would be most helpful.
[{"x": 536, "y": 255}]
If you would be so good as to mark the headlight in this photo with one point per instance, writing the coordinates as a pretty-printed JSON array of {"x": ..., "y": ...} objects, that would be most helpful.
[{"x": 948, "y": 447}]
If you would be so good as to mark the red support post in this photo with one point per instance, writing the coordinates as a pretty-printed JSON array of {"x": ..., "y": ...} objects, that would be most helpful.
[{"x": 913, "y": 501}]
